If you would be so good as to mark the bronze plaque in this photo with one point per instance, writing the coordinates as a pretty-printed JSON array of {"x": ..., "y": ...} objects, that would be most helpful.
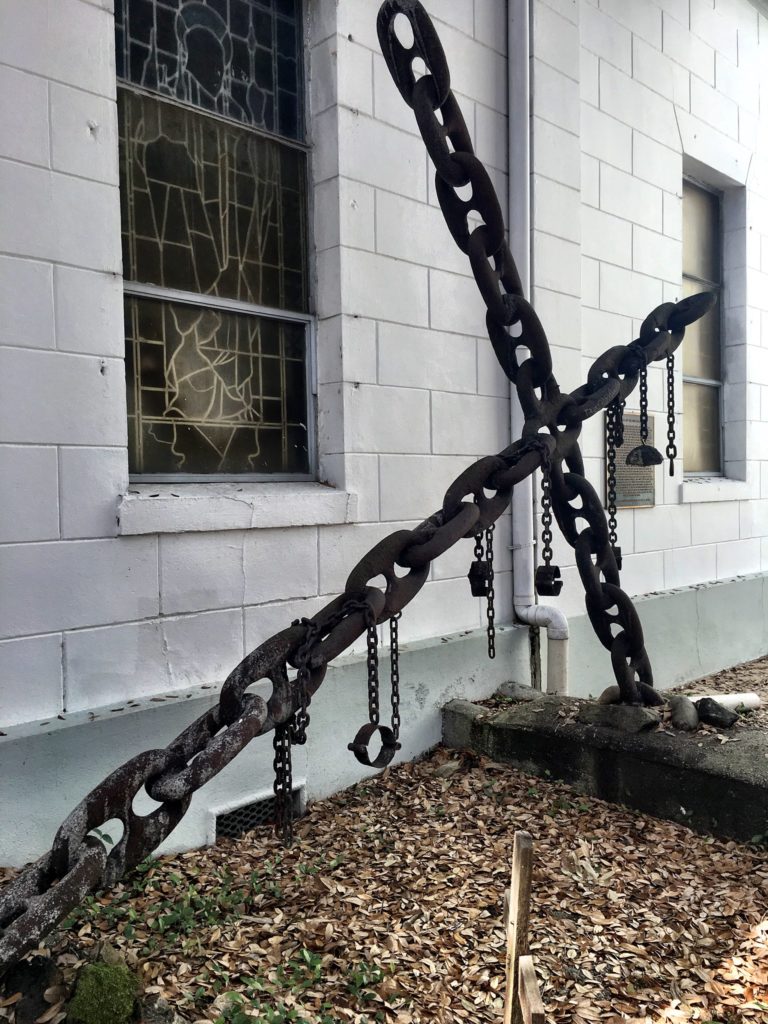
[{"x": 635, "y": 485}]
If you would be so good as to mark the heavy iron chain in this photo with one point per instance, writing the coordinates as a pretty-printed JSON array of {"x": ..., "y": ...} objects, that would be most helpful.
[
  {"x": 612, "y": 417},
  {"x": 77, "y": 863},
  {"x": 671, "y": 446}
]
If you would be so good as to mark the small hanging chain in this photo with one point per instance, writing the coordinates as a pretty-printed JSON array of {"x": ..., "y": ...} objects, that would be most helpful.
[
  {"x": 490, "y": 612},
  {"x": 546, "y": 514},
  {"x": 372, "y": 659},
  {"x": 300, "y": 719},
  {"x": 394, "y": 656},
  {"x": 671, "y": 446},
  {"x": 618, "y": 430},
  {"x": 283, "y": 787},
  {"x": 478, "y": 576},
  {"x": 644, "y": 405},
  {"x": 548, "y": 578},
  {"x": 612, "y": 414}
]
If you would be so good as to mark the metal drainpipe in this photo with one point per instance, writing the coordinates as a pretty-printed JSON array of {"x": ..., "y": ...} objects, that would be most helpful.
[{"x": 523, "y": 546}]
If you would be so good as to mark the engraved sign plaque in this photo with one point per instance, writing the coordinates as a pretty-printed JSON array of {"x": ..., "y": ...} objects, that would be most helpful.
[{"x": 635, "y": 485}]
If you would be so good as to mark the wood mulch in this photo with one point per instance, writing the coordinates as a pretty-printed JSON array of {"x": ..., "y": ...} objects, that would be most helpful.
[{"x": 389, "y": 907}]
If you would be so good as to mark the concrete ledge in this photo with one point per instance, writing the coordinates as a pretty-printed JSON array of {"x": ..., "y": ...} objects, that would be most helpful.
[
  {"x": 694, "y": 779},
  {"x": 46, "y": 768},
  {"x": 181, "y": 508},
  {"x": 690, "y": 632}
]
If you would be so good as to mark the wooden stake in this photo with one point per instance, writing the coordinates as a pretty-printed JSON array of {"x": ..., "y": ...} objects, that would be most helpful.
[
  {"x": 517, "y": 921},
  {"x": 528, "y": 994}
]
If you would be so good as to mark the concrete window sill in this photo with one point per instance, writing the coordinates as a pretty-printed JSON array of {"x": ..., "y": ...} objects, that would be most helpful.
[
  {"x": 714, "y": 488},
  {"x": 182, "y": 508}
]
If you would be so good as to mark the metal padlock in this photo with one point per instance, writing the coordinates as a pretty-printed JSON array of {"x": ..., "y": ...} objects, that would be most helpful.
[
  {"x": 479, "y": 577},
  {"x": 617, "y": 555},
  {"x": 548, "y": 582}
]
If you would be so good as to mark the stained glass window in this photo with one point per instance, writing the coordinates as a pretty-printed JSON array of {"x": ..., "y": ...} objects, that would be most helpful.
[
  {"x": 210, "y": 207},
  {"x": 239, "y": 58},
  {"x": 214, "y": 205},
  {"x": 213, "y": 391}
]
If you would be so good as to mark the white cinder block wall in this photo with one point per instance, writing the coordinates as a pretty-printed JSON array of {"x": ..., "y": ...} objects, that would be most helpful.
[
  {"x": 627, "y": 98},
  {"x": 114, "y": 593},
  {"x": 111, "y": 596}
]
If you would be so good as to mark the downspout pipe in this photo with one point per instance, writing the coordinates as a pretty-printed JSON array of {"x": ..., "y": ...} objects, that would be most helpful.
[{"x": 523, "y": 544}]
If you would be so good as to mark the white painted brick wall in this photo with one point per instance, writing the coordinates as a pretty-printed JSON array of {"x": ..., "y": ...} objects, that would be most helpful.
[
  {"x": 665, "y": 86},
  {"x": 31, "y": 671},
  {"x": 66, "y": 584},
  {"x": 145, "y": 658},
  {"x": 30, "y": 507},
  {"x": 408, "y": 389},
  {"x": 78, "y": 399}
]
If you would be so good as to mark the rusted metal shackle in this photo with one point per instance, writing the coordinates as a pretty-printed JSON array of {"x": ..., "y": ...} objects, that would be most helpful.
[{"x": 389, "y": 745}]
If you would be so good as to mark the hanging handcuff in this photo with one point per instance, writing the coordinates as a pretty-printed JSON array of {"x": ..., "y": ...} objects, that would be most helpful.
[{"x": 388, "y": 734}]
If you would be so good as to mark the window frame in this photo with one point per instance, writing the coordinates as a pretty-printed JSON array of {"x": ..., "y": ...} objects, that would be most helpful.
[
  {"x": 309, "y": 320},
  {"x": 719, "y": 288}
]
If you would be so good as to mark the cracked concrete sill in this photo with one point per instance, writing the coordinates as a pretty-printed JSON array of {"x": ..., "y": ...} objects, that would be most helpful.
[{"x": 182, "y": 508}]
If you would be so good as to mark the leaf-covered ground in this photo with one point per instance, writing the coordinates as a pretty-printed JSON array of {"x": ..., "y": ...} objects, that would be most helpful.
[{"x": 389, "y": 907}]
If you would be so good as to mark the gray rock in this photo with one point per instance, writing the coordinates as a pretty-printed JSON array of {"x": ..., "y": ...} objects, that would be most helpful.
[
  {"x": 458, "y": 718},
  {"x": 684, "y": 713},
  {"x": 517, "y": 691},
  {"x": 715, "y": 714},
  {"x": 624, "y": 717},
  {"x": 610, "y": 695}
]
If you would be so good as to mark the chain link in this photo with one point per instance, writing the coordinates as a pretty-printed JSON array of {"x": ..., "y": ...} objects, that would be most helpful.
[{"x": 45, "y": 892}]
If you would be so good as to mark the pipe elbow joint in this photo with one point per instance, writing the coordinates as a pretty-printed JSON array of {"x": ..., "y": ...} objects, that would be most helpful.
[{"x": 553, "y": 619}]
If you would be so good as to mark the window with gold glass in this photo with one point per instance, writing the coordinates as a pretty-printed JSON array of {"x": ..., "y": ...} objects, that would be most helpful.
[
  {"x": 213, "y": 179},
  {"x": 702, "y": 362}
]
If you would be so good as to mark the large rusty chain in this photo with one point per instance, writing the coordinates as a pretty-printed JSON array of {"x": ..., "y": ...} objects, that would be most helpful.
[{"x": 78, "y": 863}]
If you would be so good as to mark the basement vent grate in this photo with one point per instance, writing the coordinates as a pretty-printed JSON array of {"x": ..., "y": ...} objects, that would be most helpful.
[{"x": 243, "y": 819}]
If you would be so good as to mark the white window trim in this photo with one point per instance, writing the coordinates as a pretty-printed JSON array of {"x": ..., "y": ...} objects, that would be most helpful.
[{"x": 715, "y": 169}]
